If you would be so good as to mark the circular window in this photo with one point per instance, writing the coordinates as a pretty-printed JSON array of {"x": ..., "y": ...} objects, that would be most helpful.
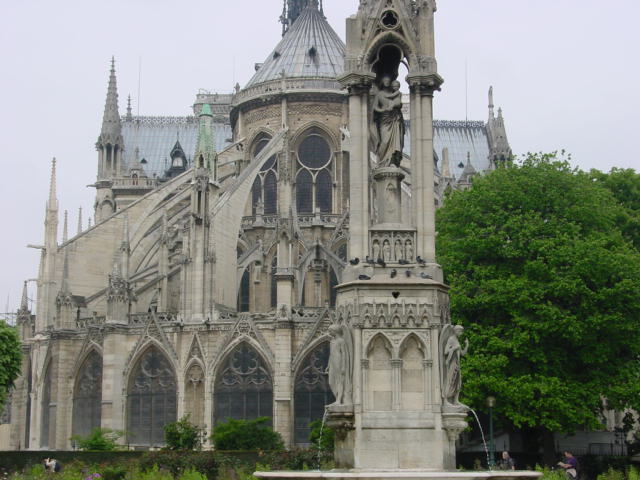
[
  {"x": 314, "y": 152},
  {"x": 389, "y": 19}
]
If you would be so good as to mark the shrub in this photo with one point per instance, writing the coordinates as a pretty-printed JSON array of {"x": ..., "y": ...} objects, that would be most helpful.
[
  {"x": 99, "y": 440},
  {"x": 179, "y": 462},
  {"x": 192, "y": 475},
  {"x": 246, "y": 435},
  {"x": 297, "y": 459},
  {"x": 183, "y": 435},
  {"x": 322, "y": 438}
]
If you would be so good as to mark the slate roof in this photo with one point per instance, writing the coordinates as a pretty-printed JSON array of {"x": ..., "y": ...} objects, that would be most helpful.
[
  {"x": 309, "y": 49},
  {"x": 155, "y": 137},
  {"x": 462, "y": 137}
]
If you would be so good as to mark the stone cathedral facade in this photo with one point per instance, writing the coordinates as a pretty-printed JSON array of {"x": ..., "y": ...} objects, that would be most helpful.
[{"x": 207, "y": 284}]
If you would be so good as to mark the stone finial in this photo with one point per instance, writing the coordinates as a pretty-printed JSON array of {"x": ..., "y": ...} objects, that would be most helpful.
[
  {"x": 491, "y": 115},
  {"x": 79, "y": 220},
  {"x": 65, "y": 228},
  {"x": 52, "y": 204},
  {"x": 24, "y": 303},
  {"x": 129, "y": 116}
]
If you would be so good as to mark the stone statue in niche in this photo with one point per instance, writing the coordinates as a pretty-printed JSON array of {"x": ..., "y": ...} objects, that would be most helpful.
[
  {"x": 388, "y": 129},
  {"x": 452, "y": 352},
  {"x": 399, "y": 250},
  {"x": 376, "y": 250},
  {"x": 408, "y": 249},
  {"x": 340, "y": 367},
  {"x": 386, "y": 251}
]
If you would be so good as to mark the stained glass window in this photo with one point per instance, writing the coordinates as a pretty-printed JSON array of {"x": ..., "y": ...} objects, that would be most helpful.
[
  {"x": 87, "y": 395},
  {"x": 314, "y": 152},
  {"x": 333, "y": 282},
  {"x": 151, "y": 400},
  {"x": 324, "y": 200},
  {"x": 256, "y": 194},
  {"x": 46, "y": 407},
  {"x": 244, "y": 389},
  {"x": 304, "y": 192},
  {"x": 314, "y": 181},
  {"x": 270, "y": 194},
  {"x": 243, "y": 294},
  {"x": 312, "y": 393}
]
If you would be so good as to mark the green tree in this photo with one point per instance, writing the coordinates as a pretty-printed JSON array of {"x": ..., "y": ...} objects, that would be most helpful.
[
  {"x": 547, "y": 286},
  {"x": 246, "y": 435},
  {"x": 625, "y": 186},
  {"x": 321, "y": 437},
  {"x": 10, "y": 359},
  {"x": 99, "y": 440},
  {"x": 183, "y": 435}
]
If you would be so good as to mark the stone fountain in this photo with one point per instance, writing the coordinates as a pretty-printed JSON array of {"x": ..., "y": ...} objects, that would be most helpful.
[{"x": 395, "y": 357}]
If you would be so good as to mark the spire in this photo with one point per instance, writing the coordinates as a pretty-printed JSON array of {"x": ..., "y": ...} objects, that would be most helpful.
[
  {"x": 65, "y": 229},
  {"x": 24, "y": 303},
  {"x": 129, "y": 116},
  {"x": 111, "y": 120},
  {"x": 52, "y": 204},
  {"x": 79, "y": 220},
  {"x": 292, "y": 10},
  {"x": 64, "y": 288},
  {"x": 491, "y": 115},
  {"x": 446, "y": 165}
]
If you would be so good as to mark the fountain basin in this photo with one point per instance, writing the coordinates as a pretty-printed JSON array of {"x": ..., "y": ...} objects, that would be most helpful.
[{"x": 400, "y": 475}]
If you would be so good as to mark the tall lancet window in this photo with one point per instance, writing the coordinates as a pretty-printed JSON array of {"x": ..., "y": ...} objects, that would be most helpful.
[
  {"x": 243, "y": 389},
  {"x": 312, "y": 392},
  {"x": 151, "y": 398},
  {"x": 265, "y": 187},
  {"x": 87, "y": 395},
  {"x": 314, "y": 179},
  {"x": 244, "y": 299}
]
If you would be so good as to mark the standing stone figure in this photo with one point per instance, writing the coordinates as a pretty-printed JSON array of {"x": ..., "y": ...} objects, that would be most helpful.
[
  {"x": 399, "y": 250},
  {"x": 341, "y": 364},
  {"x": 452, "y": 352},
  {"x": 386, "y": 251},
  {"x": 389, "y": 128}
]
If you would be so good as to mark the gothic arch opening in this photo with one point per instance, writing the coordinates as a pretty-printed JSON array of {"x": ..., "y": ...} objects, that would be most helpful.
[
  {"x": 151, "y": 398},
  {"x": 243, "y": 388},
  {"x": 314, "y": 172},
  {"x": 311, "y": 392},
  {"x": 87, "y": 395}
]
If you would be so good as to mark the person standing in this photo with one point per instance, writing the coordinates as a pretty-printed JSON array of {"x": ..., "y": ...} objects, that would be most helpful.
[
  {"x": 570, "y": 465},
  {"x": 507, "y": 463}
]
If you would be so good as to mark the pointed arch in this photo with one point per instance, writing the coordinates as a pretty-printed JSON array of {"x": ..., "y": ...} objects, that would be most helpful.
[
  {"x": 151, "y": 396},
  {"x": 244, "y": 299},
  {"x": 87, "y": 394},
  {"x": 243, "y": 385},
  {"x": 412, "y": 377},
  {"x": 379, "y": 382},
  {"x": 324, "y": 191},
  {"x": 270, "y": 193},
  {"x": 304, "y": 192},
  {"x": 311, "y": 392}
]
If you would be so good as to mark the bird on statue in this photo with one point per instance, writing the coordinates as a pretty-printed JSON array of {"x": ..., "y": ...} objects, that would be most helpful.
[
  {"x": 402, "y": 261},
  {"x": 355, "y": 261},
  {"x": 370, "y": 261},
  {"x": 426, "y": 276},
  {"x": 364, "y": 277},
  {"x": 394, "y": 273},
  {"x": 382, "y": 263},
  {"x": 420, "y": 260},
  {"x": 408, "y": 273}
]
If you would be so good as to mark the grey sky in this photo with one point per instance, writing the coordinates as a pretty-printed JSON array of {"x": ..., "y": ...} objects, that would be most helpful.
[{"x": 564, "y": 71}]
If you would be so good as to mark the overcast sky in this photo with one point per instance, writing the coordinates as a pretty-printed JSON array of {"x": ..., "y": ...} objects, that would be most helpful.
[{"x": 564, "y": 71}]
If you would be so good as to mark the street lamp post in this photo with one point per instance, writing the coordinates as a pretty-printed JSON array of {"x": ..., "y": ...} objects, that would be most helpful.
[{"x": 491, "y": 402}]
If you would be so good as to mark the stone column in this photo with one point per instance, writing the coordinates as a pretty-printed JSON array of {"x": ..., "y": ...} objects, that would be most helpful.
[
  {"x": 114, "y": 357},
  {"x": 282, "y": 381},
  {"x": 423, "y": 176}
]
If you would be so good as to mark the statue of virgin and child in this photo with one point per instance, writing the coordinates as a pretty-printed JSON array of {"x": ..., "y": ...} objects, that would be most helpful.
[{"x": 388, "y": 128}]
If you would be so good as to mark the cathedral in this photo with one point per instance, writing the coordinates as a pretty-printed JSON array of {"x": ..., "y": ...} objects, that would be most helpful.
[{"x": 221, "y": 242}]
